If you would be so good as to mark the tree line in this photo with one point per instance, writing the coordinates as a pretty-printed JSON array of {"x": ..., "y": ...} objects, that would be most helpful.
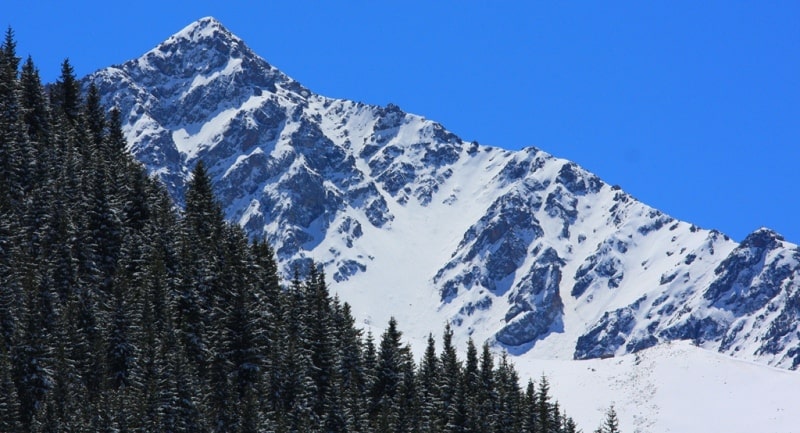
[{"x": 120, "y": 313}]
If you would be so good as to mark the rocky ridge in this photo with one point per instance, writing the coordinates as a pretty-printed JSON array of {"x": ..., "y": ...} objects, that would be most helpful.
[{"x": 524, "y": 249}]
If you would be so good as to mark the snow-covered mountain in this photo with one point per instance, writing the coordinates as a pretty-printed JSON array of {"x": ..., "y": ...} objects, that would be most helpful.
[{"x": 527, "y": 250}]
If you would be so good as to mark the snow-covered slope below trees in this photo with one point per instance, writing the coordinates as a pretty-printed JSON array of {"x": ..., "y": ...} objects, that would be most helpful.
[
  {"x": 674, "y": 387},
  {"x": 523, "y": 249}
]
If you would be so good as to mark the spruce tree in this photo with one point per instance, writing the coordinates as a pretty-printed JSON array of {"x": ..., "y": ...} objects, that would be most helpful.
[
  {"x": 200, "y": 285},
  {"x": 611, "y": 422},
  {"x": 242, "y": 326},
  {"x": 66, "y": 94},
  {"x": 568, "y": 425},
  {"x": 181, "y": 403},
  {"x": 8, "y": 55},
  {"x": 95, "y": 118},
  {"x": 408, "y": 409},
  {"x": 471, "y": 383},
  {"x": 508, "y": 397},
  {"x": 321, "y": 338},
  {"x": 120, "y": 351},
  {"x": 530, "y": 409},
  {"x": 350, "y": 370},
  {"x": 9, "y": 400},
  {"x": 34, "y": 354},
  {"x": 11, "y": 294},
  {"x": 34, "y": 102},
  {"x": 487, "y": 395},
  {"x": 428, "y": 388},
  {"x": 297, "y": 386},
  {"x": 14, "y": 149},
  {"x": 387, "y": 378},
  {"x": 544, "y": 408},
  {"x": 370, "y": 369},
  {"x": 103, "y": 234},
  {"x": 449, "y": 382}
]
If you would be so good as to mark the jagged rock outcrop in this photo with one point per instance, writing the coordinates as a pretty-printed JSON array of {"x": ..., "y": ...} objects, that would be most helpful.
[{"x": 526, "y": 250}]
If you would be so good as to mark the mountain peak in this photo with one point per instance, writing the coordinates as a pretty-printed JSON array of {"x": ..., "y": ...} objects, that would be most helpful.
[
  {"x": 204, "y": 48},
  {"x": 762, "y": 238},
  {"x": 199, "y": 47},
  {"x": 525, "y": 250},
  {"x": 202, "y": 30}
]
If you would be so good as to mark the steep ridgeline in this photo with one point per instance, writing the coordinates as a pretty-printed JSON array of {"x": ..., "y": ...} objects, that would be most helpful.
[{"x": 525, "y": 249}]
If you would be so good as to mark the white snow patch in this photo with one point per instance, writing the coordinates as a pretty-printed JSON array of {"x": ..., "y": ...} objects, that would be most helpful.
[{"x": 675, "y": 387}]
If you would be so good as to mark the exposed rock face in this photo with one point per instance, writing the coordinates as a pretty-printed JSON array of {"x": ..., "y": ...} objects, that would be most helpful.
[
  {"x": 536, "y": 306},
  {"x": 750, "y": 308},
  {"x": 520, "y": 248}
]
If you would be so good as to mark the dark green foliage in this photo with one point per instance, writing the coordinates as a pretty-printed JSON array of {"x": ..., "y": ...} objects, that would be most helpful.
[
  {"x": 611, "y": 423},
  {"x": 449, "y": 381},
  {"x": 391, "y": 395},
  {"x": 428, "y": 388},
  {"x": 95, "y": 117},
  {"x": 65, "y": 94},
  {"x": 36, "y": 110},
  {"x": 545, "y": 422},
  {"x": 119, "y": 314},
  {"x": 13, "y": 152},
  {"x": 9, "y": 400}
]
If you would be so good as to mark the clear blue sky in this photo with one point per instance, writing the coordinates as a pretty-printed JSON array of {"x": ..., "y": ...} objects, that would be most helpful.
[{"x": 692, "y": 107}]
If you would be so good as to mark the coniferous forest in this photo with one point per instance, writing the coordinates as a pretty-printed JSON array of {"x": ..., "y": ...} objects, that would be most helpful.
[{"x": 120, "y": 313}]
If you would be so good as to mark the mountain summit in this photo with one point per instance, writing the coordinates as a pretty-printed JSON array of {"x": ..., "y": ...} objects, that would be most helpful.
[{"x": 523, "y": 249}]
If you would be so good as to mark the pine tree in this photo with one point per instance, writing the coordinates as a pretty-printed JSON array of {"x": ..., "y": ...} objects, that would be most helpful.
[
  {"x": 471, "y": 389},
  {"x": 66, "y": 93},
  {"x": 8, "y": 56},
  {"x": 370, "y": 367},
  {"x": 568, "y": 425},
  {"x": 203, "y": 214},
  {"x": 34, "y": 103},
  {"x": 611, "y": 422},
  {"x": 544, "y": 407},
  {"x": 243, "y": 332},
  {"x": 11, "y": 294},
  {"x": 487, "y": 395},
  {"x": 120, "y": 352},
  {"x": 200, "y": 285},
  {"x": 36, "y": 119},
  {"x": 103, "y": 229},
  {"x": 65, "y": 405},
  {"x": 321, "y": 339},
  {"x": 157, "y": 395},
  {"x": 86, "y": 341},
  {"x": 388, "y": 375},
  {"x": 95, "y": 118},
  {"x": 116, "y": 144},
  {"x": 181, "y": 407},
  {"x": 129, "y": 182},
  {"x": 449, "y": 382},
  {"x": 350, "y": 370},
  {"x": 530, "y": 409},
  {"x": 33, "y": 357},
  {"x": 508, "y": 397},
  {"x": 428, "y": 378},
  {"x": 297, "y": 387},
  {"x": 9, "y": 401},
  {"x": 14, "y": 155},
  {"x": 408, "y": 410},
  {"x": 556, "y": 417}
]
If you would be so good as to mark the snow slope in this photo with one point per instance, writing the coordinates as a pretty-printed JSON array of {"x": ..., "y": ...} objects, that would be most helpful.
[{"x": 675, "y": 387}]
